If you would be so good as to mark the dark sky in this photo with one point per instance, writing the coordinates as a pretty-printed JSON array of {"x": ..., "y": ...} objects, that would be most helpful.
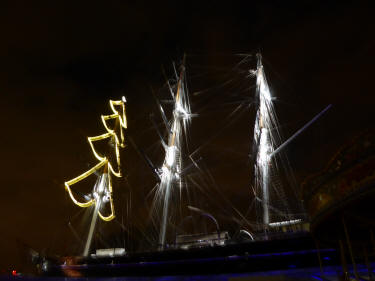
[{"x": 62, "y": 60}]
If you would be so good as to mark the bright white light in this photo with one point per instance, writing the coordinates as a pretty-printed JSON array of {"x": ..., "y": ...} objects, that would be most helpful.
[
  {"x": 263, "y": 139},
  {"x": 171, "y": 155},
  {"x": 263, "y": 87},
  {"x": 106, "y": 198},
  {"x": 165, "y": 172},
  {"x": 175, "y": 127},
  {"x": 284, "y": 223},
  {"x": 180, "y": 109},
  {"x": 101, "y": 186},
  {"x": 170, "y": 171},
  {"x": 264, "y": 147},
  {"x": 123, "y": 99},
  {"x": 266, "y": 94}
]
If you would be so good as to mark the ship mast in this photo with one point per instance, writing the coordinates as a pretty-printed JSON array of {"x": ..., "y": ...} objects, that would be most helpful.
[
  {"x": 263, "y": 140},
  {"x": 265, "y": 144},
  {"x": 170, "y": 173},
  {"x": 102, "y": 193}
]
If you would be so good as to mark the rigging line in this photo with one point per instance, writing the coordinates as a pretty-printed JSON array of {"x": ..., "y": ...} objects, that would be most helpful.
[
  {"x": 100, "y": 236},
  {"x": 121, "y": 224},
  {"x": 162, "y": 113},
  {"x": 284, "y": 205},
  {"x": 242, "y": 222},
  {"x": 226, "y": 75},
  {"x": 144, "y": 157},
  {"x": 231, "y": 120},
  {"x": 208, "y": 182},
  {"x": 296, "y": 134},
  {"x": 156, "y": 127},
  {"x": 225, "y": 199},
  {"x": 234, "y": 153},
  {"x": 243, "y": 55},
  {"x": 66, "y": 201},
  {"x": 175, "y": 71},
  {"x": 75, "y": 234},
  {"x": 215, "y": 70},
  {"x": 275, "y": 182},
  {"x": 52, "y": 241},
  {"x": 280, "y": 213},
  {"x": 80, "y": 210},
  {"x": 225, "y": 90},
  {"x": 154, "y": 205},
  {"x": 143, "y": 132},
  {"x": 202, "y": 74},
  {"x": 281, "y": 78},
  {"x": 189, "y": 177},
  {"x": 223, "y": 106},
  {"x": 203, "y": 189},
  {"x": 245, "y": 59},
  {"x": 150, "y": 240},
  {"x": 167, "y": 81},
  {"x": 202, "y": 54},
  {"x": 217, "y": 87},
  {"x": 152, "y": 190},
  {"x": 190, "y": 167}
]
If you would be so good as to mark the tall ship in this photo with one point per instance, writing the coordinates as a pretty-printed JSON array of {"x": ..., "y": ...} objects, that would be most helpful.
[{"x": 185, "y": 221}]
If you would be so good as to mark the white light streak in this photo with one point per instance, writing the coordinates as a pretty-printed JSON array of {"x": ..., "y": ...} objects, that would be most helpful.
[
  {"x": 263, "y": 87},
  {"x": 264, "y": 148},
  {"x": 263, "y": 139},
  {"x": 284, "y": 223},
  {"x": 247, "y": 233},
  {"x": 170, "y": 171},
  {"x": 165, "y": 173},
  {"x": 92, "y": 228},
  {"x": 181, "y": 110},
  {"x": 170, "y": 155}
]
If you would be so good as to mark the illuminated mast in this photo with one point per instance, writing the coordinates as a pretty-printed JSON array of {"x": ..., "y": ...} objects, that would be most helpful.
[
  {"x": 171, "y": 170},
  {"x": 102, "y": 191},
  {"x": 263, "y": 139}
]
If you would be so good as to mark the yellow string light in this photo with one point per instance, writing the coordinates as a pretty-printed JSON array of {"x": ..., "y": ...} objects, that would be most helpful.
[{"x": 103, "y": 161}]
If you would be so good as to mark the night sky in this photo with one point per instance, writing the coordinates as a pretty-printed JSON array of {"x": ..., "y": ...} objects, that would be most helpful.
[{"x": 62, "y": 60}]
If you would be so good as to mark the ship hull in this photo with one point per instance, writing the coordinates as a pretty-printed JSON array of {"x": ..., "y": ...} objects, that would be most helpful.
[{"x": 285, "y": 253}]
